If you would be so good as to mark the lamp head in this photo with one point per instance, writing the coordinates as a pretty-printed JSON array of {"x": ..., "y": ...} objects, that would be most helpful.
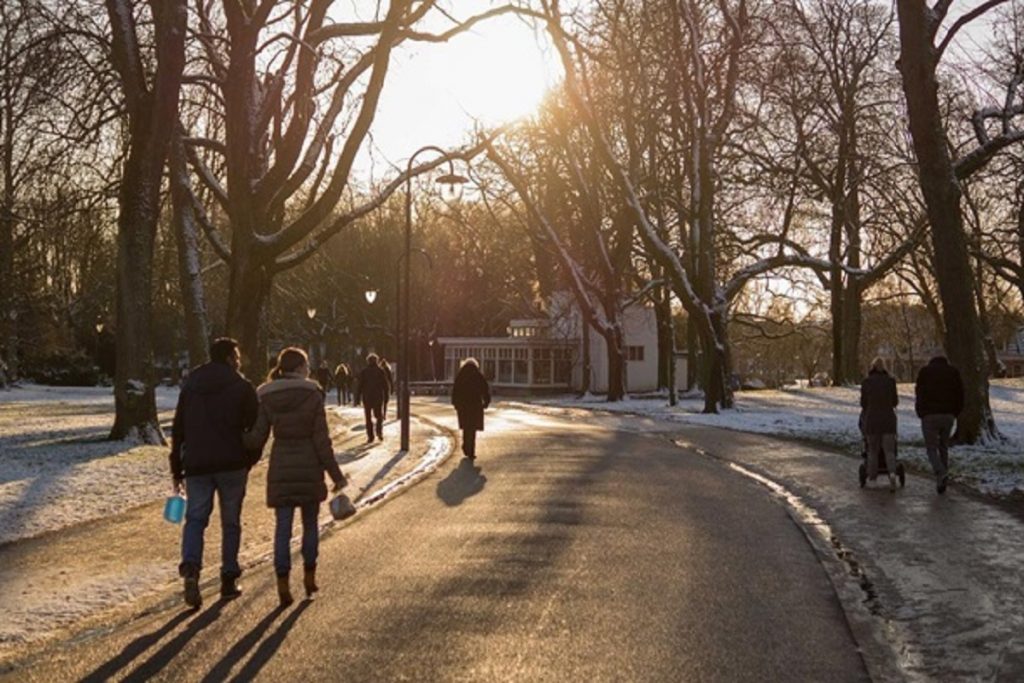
[
  {"x": 371, "y": 295},
  {"x": 311, "y": 313}
]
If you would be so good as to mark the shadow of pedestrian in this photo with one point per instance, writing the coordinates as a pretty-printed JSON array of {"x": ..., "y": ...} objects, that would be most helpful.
[
  {"x": 271, "y": 645},
  {"x": 383, "y": 472},
  {"x": 465, "y": 480},
  {"x": 162, "y": 657},
  {"x": 221, "y": 669},
  {"x": 134, "y": 649}
]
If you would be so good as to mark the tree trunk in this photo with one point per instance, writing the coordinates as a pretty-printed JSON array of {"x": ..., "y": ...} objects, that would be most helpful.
[
  {"x": 8, "y": 301},
  {"x": 190, "y": 277},
  {"x": 663, "y": 320},
  {"x": 152, "y": 113},
  {"x": 248, "y": 301},
  {"x": 134, "y": 375},
  {"x": 942, "y": 194},
  {"x": 693, "y": 359},
  {"x": 616, "y": 350},
  {"x": 851, "y": 331},
  {"x": 586, "y": 370}
]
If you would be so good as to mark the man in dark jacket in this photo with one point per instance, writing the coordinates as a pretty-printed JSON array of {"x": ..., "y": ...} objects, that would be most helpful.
[
  {"x": 939, "y": 399},
  {"x": 215, "y": 407},
  {"x": 372, "y": 390}
]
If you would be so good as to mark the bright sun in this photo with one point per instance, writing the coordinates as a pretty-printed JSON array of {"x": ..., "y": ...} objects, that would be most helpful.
[{"x": 497, "y": 72}]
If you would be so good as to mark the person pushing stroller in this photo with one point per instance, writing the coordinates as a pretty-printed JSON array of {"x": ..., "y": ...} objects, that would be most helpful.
[{"x": 878, "y": 401}]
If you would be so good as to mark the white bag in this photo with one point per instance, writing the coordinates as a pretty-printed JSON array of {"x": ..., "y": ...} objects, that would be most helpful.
[{"x": 342, "y": 507}]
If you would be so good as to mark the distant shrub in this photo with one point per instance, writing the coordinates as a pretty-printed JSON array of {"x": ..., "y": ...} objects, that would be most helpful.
[{"x": 63, "y": 369}]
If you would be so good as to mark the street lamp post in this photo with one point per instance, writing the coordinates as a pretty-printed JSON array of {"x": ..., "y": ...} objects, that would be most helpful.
[{"x": 451, "y": 179}]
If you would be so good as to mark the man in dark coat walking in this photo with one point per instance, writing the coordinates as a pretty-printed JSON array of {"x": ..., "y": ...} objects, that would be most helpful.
[
  {"x": 215, "y": 407},
  {"x": 470, "y": 396},
  {"x": 372, "y": 391},
  {"x": 878, "y": 401},
  {"x": 939, "y": 399}
]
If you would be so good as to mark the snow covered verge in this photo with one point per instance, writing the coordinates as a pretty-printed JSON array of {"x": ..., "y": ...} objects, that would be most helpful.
[
  {"x": 829, "y": 415},
  {"x": 56, "y": 467}
]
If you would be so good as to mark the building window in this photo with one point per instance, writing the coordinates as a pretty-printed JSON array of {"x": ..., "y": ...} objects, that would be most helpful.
[
  {"x": 505, "y": 371},
  {"x": 542, "y": 366},
  {"x": 563, "y": 366},
  {"x": 635, "y": 353}
]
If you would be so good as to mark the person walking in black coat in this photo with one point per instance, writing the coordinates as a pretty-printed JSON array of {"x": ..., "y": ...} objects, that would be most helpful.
[
  {"x": 939, "y": 399},
  {"x": 292, "y": 406},
  {"x": 878, "y": 401},
  {"x": 372, "y": 391},
  {"x": 323, "y": 377},
  {"x": 343, "y": 383},
  {"x": 470, "y": 396},
  {"x": 208, "y": 457}
]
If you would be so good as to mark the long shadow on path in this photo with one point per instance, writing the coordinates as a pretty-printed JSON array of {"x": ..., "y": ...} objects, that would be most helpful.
[
  {"x": 269, "y": 647},
  {"x": 162, "y": 657},
  {"x": 221, "y": 669},
  {"x": 464, "y": 481}
]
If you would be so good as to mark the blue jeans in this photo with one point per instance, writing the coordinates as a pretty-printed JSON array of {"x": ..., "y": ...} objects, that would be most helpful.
[
  {"x": 283, "y": 537},
  {"x": 199, "y": 490}
]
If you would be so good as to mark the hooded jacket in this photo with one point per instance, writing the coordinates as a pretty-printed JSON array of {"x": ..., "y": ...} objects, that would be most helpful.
[
  {"x": 293, "y": 408},
  {"x": 215, "y": 407},
  {"x": 470, "y": 395},
  {"x": 939, "y": 389},
  {"x": 879, "y": 399}
]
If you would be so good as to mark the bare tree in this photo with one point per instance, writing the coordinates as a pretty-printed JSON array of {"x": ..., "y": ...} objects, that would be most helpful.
[
  {"x": 151, "y": 105},
  {"x": 921, "y": 52}
]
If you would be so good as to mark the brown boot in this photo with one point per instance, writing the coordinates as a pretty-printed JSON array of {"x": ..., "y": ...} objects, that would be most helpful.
[
  {"x": 284, "y": 592},
  {"x": 309, "y": 581}
]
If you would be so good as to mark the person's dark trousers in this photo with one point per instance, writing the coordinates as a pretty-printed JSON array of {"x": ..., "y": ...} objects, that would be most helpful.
[
  {"x": 338, "y": 389},
  {"x": 374, "y": 412},
  {"x": 283, "y": 537},
  {"x": 199, "y": 491},
  {"x": 469, "y": 442},
  {"x": 936, "y": 430}
]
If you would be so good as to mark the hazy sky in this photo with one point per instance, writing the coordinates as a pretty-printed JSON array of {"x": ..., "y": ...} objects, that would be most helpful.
[{"x": 495, "y": 73}]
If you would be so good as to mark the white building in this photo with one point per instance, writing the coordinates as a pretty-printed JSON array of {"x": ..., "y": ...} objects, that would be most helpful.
[{"x": 542, "y": 355}]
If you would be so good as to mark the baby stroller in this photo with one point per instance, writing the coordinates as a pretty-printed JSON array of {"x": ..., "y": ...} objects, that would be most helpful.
[{"x": 883, "y": 469}]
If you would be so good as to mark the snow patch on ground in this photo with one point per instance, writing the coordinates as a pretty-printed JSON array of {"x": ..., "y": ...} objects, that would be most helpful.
[
  {"x": 58, "y": 469},
  {"x": 829, "y": 415}
]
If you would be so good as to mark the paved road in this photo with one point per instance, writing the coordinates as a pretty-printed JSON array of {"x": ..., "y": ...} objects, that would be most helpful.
[{"x": 568, "y": 552}]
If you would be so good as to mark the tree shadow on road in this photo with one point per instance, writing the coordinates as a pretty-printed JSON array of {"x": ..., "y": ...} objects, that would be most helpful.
[
  {"x": 466, "y": 480},
  {"x": 269, "y": 647},
  {"x": 164, "y": 655},
  {"x": 221, "y": 669}
]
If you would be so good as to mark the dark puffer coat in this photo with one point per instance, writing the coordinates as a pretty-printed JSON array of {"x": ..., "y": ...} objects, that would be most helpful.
[
  {"x": 939, "y": 389},
  {"x": 215, "y": 406},
  {"x": 879, "y": 399},
  {"x": 470, "y": 395},
  {"x": 294, "y": 409}
]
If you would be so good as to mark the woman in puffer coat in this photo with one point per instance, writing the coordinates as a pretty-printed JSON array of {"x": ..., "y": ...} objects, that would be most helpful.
[{"x": 292, "y": 406}]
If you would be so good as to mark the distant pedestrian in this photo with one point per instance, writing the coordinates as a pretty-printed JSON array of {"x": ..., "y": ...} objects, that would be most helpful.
[
  {"x": 343, "y": 383},
  {"x": 386, "y": 367},
  {"x": 470, "y": 396},
  {"x": 372, "y": 391},
  {"x": 939, "y": 400},
  {"x": 292, "y": 406},
  {"x": 878, "y": 401},
  {"x": 208, "y": 456},
  {"x": 323, "y": 376}
]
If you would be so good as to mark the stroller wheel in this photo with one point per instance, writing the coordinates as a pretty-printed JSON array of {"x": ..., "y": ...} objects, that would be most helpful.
[
  {"x": 902, "y": 474},
  {"x": 862, "y": 474}
]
